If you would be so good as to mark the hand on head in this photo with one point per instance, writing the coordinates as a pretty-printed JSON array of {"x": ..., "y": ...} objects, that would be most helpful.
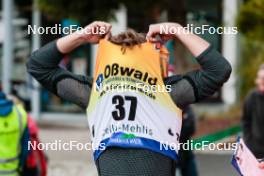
[
  {"x": 165, "y": 31},
  {"x": 95, "y": 31}
]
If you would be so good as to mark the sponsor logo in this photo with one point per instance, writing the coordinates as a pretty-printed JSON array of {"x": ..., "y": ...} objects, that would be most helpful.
[
  {"x": 99, "y": 82},
  {"x": 115, "y": 70}
]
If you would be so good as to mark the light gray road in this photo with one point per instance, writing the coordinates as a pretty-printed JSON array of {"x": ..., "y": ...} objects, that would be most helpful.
[
  {"x": 215, "y": 165},
  {"x": 79, "y": 163}
]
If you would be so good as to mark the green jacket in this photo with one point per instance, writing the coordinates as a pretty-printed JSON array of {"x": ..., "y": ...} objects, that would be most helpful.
[{"x": 12, "y": 126}]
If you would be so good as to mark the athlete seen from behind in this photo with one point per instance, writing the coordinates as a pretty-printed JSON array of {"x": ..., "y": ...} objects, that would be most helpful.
[{"x": 133, "y": 123}]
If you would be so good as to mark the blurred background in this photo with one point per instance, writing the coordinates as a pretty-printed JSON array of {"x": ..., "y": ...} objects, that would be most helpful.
[{"x": 218, "y": 118}]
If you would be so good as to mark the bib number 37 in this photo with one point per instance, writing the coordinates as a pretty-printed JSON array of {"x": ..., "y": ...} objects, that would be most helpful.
[{"x": 120, "y": 112}]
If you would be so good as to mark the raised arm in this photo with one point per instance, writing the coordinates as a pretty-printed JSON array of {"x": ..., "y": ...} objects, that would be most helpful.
[
  {"x": 199, "y": 84},
  {"x": 43, "y": 65},
  {"x": 90, "y": 34}
]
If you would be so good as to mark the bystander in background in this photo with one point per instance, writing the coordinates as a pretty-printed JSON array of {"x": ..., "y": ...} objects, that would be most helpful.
[{"x": 253, "y": 117}]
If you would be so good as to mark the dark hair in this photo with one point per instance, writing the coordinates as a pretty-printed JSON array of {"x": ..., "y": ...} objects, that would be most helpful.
[{"x": 128, "y": 39}]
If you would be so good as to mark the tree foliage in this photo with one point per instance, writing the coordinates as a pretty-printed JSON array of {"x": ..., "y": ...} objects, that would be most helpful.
[
  {"x": 89, "y": 10},
  {"x": 250, "y": 22},
  {"x": 251, "y": 19},
  {"x": 252, "y": 57},
  {"x": 85, "y": 11}
]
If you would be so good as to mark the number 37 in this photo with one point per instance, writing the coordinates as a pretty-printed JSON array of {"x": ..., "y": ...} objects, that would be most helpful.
[{"x": 120, "y": 112}]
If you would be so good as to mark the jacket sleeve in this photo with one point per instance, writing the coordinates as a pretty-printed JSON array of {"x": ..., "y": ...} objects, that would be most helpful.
[
  {"x": 197, "y": 85},
  {"x": 43, "y": 65},
  {"x": 215, "y": 71}
]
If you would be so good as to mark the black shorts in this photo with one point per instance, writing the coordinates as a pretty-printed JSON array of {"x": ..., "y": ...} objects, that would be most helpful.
[{"x": 116, "y": 161}]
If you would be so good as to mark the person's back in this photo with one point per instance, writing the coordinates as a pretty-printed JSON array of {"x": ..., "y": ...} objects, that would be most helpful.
[
  {"x": 12, "y": 126},
  {"x": 139, "y": 116}
]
